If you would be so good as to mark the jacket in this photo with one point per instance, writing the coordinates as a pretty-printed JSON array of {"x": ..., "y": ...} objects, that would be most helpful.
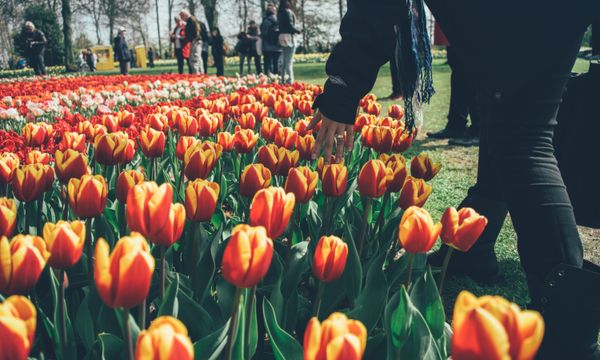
[
  {"x": 287, "y": 22},
  {"x": 192, "y": 30},
  {"x": 121, "y": 49},
  {"x": 35, "y": 42},
  {"x": 269, "y": 27}
]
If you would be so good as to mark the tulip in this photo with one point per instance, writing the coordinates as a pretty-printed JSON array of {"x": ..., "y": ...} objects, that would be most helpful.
[
  {"x": 305, "y": 145},
  {"x": 363, "y": 120},
  {"x": 37, "y": 157},
  {"x": 247, "y": 256},
  {"x": 72, "y": 140},
  {"x": 64, "y": 241},
  {"x": 269, "y": 128},
  {"x": 8, "y": 216},
  {"x": 70, "y": 164},
  {"x": 166, "y": 338},
  {"x": 21, "y": 264},
  {"x": 9, "y": 162},
  {"x": 87, "y": 195},
  {"x": 417, "y": 233},
  {"x": 157, "y": 121},
  {"x": 305, "y": 108},
  {"x": 287, "y": 160},
  {"x": 36, "y": 134},
  {"x": 183, "y": 144},
  {"x": 187, "y": 126},
  {"x": 336, "y": 338},
  {"x": 18, "y": 322},
  {"x": 373, "y": 108},
  {"x": 396, "y": 111},
  {"x": 126, "y": 181},
  {"x": 397, "y": 164},
  {"x": 254, "y": 177},
  {"x": 329, "y": 259},
  {"x": 268, "y": 155},
  {"x": 462, "y": 228},
  {"x": 201, "y": 198},
  {"x": 111, "y": 122},
  {"x": 301, "y": 127},
  {"x": 422, "y": 167},
  {"x": 415, "y": 192},
  {"x": 225, "y": 139},
  {"x": 302, "y": 182},
  {"x": 113, "y": 148},
  {"x": 208, "y": 124},
  {"x": 403, "y": 140},
  {"x": 199, "y": 161},
  {"x": 244, "y": 140},
  {"x": 123, "y": 279},
  {"x": 286, "y": 137},
  {"x": 334, "y": 180},
  {"x": 126, "y": 118},
  {"x": 283, "y": 109},
  {"x": 491, "y": 327},
  {"x": 272, "y": 209},
  {"x": 374, "y": 178},
  {"x": 31, "y": 181},
  {"x": 247, "y": 121},
  {"x": 379, "y": 138},
  {"x": 152, "y": 142}
]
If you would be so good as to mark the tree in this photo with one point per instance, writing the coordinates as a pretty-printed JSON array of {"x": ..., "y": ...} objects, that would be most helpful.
[
  {"x": 82, "y": 42},
  {"x": 158, "y": 27},
  {"x": 45, "y": 20},
  {"x": 341, "y": 7},
  {"x": 93, "y": 9},
  {"x": 211, "y": 13},
  {"x": 68, "y": 36}
]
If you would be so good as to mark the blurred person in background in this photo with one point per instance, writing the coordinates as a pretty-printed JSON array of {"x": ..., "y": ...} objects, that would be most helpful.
[
  {"x": 122, "y": 53},
  {"x": 194, "y": 39},
  {"x": 90, "y": 59},
  {"x": 287, "y": 30},
  {"x": 253, "y": 34},
  {"x": 269, "y": 33},
  {"x": 151, "y": 57},
  {"x": 177, "y": 38},
  {"x": 205, "y": 36},
  {"x": 35, "y": 43},
  {"x": 242, "y": 47},
  {"x": 218, "y": 50}
]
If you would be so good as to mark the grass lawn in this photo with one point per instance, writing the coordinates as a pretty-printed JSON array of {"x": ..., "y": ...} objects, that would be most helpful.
[{"x": 451, "y": 184}]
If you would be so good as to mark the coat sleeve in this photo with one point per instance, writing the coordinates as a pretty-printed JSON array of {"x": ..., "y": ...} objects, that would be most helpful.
[{"x": 368, "y": 41}]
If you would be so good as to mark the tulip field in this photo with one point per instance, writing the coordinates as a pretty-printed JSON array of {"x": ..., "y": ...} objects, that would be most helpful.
[{"x": 180, "y": 217}]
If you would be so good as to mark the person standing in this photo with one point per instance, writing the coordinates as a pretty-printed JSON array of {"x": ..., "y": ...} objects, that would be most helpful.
[
  {"x": 151, "y": 57},
  {"x": 218, "y": 50},
  {"x": 35, "y": 43},
  {"x": 177, "y": 38},
  {"x": 269, "y": 33},
  {"x": 121, "y": 50},
  {"x": 91, "y": 59},
  {"x": 396, "y": 94},
  {"x": 253, "y": 34},
  {"x": 193, "y": 37},
  {"x": 287, "y": 29},
  {"x": 205, "y": 36},
  {"x": 242, "y": 47}
]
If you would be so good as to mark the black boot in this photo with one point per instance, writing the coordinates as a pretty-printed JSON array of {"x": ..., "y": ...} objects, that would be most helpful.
[
  {"x": 569, "y": 301},
  {"x": 447, "y": 133},
  {"x": 480, "y": 261}
]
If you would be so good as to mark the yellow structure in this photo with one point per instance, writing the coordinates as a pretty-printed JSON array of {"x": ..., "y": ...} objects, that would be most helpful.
[
  {"x": 105, "y": 57},
  {"x": 141, "y": 59}
]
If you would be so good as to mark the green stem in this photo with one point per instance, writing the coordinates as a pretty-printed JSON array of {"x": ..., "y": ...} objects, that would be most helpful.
[
  {"x": 89, "y": 248},
  {"x": 326, "y": 216},
  {"x": 411, "y": 260},
  {"x": 163, "y": 271},
  {"x": 180, "y": 182},
  {"x": 142, "y": 315},
  {"x": 154, "y": 168},
  {"x": 40, "y": 203},
  {"x": 128, "y": 337},
  {"x": 61, "y": 300},
  {"x": 249, "y": 318},
  {"x": 65, "y": 214},
  {"x": 363, "y": 229},
  {"x": 29, "y": 211},
  {"x": 233, "y": 325},
  {"x": 445, "y": 268},
  {"x": 196, "y": 243},
  {"x": 381, "y": 216},
  {"x": 122, "y": 219},
  {"x": 319, "y": 299}
]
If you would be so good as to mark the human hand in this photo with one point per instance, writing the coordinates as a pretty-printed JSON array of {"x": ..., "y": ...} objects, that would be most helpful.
[{"x": 331, "y": 133}]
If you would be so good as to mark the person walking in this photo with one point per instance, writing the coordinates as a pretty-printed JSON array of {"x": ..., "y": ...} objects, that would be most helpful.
[
  {"x": 218, "y": 50},
  {"x": 287, "y": 29},
  {"x": 177, "y": 38},
  {"x": 35, "y": 43},
  {"x": 269, "y": 33},
  {"x": 193, "y": 37},
  {"x": 122, "y": 53},
  {"x": 151, "y": 57},
  {"x": 242, "y": 47},
  {"x": 253, "y": 35},
  {"x": 517, "y": 169},
  {"x": 205, "y": 36}
]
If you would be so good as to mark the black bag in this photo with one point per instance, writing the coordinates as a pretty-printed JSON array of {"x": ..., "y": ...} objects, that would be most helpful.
[{"x": 577, "y": 141}]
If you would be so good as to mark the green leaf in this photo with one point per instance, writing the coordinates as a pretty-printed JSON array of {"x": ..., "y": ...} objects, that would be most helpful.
[
  {"x": 107, "y": 347},
  {"x": 426, "y": 297},
  {"x": 84, "y": 323},
  {"x": 353, "y": 272},
  {"x": 296, "y": 266},
  {"x": 211, "y": 346},
  {"x": 401, "y": 319},
  {"x": 170, "y": 303},
  {"x": 285, "y": 347},
  {"x": 195, "y": 318},
  {"x": 371, "y": 301}
]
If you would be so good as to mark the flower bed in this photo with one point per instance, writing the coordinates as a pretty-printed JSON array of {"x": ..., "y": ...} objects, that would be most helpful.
[{"x": 201, "y": 226}]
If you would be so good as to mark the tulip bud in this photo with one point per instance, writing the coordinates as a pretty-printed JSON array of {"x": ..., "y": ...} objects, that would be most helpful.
[
  {"x": 254, "y": 177},
  {"x": 9, "y": 162},
  {"x": 225, "y": 139},
  {"x": 330, "y": 258},
  {"x": 64, "y": 241},
  {"x": 397, "y": 164},
  {"x": 379, "y": 138},
  {"x": 334, "y": 180},
  {"x": 126, "y": 181},
  {"x": 166, "y": 338},
  {"x": 244, "y": 140},
  {"x": 268, "y": 155},
  {"x": 199, "y": 161},
  {"x": 415, "y": 192},
  {"x": 247, "y": 121},
  {"x": 396, "y": 111},
  {"x": 36, "y": 134},
  {"x": 305, "y": 145},
  {"x": 208, "y": 124},
  {"x": 157, "y": 121},
  {"x": 21, "y": 263},
  {"x": 72, "y": 140},
  {"x": 87, "y": 195},
  {"x": 184, "y": 143},
  {"x": 287, "y": 160},
  {"x": 422, "y": 167},
  {"x": 126, "y": 118},
  {"x": 8, "y": 216},
  {"x": 374, "y": 178},
  {"x": 417, "y": 233},
  {"x": 37, "y": 157},
  {"x": 123, "y": 279},
  {"x": 301, "y": 182},
  {"x": 18, "y": 321},
  {"x": 152, "y": 142},
  {"x": 247, "y": 256},
  {"x": 272, "y": 209},
  {"x": 114, "y": 148},
  {"x": 111, "y": 122},
  {"x": 373, "y": 108},
  {"x": 269, "y": 128},
  {"x": 336, "y": 338},
  {"x": 70, "y": 164},
  {"x": 187, "y": 126},
  {"x": 31, "y": 181},
  {"x": 462, "y": 228},
  {"x": 201, "y": 198},
  {"x": 305, "y": 108},
  {"x": 286, "y": 137},
  {"x": 283, "y": 109}
]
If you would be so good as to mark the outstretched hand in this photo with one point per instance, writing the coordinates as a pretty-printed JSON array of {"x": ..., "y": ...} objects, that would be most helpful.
[{"x": 331, "y": 133}]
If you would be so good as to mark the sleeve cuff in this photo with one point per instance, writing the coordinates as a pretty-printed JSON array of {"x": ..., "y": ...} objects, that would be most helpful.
[{"x": 336, "y": 104}]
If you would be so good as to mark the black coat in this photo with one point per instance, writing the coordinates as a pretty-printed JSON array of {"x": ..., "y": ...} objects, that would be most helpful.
[
  {"x": 35, "y": 42},
  {"x": 192, "y": 29},
  {"x": 121, "y": 49},
  {"x": 216, "y": 43},
  {"x": 287, "y": 22}
]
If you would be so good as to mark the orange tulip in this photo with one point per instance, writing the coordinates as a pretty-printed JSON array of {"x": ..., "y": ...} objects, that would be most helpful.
[
  {"x": 334, "y": 180},
  {"x": 72, "y": 140},
  {"x": 272, "y": 209},
  {"x": 305, "y": 145},
  {"x": 305, "y": 108},
  {"x": 268, "y": 155},
  {"x": 363, "y": 120},
  {"x": 157, "y": 121},
  {"x": 302, "y": 182},
  {"x": 244, "y": 140},
  {"x": 123, "y": 279},
  {"x": 70, "y": 164},
  {"x": 491, "y": 327},
  {"x": 152, "y": 142},
  {"x": 286, "y": 137},
  {"x": 373, "y": 108},
  {"x": 415, "y": 192},
  {"x": 9, "y": 162},
  {"x": 37, "y": 157},
  {"x": 417, "y": 233},
  {"x": 113, "y": 148},
  {"x": 166, "y": 338},
  {"x": 31, "y": 181},
  {"x": 64, "y": 241},
  {"x": 111, "y": 122},
  {"x": 287, "y": 160},
  {"x": 18, "y": 321},
  {"x": 403, "y": 140},
  {"x": 199, "y": 161},
  {"x": 208, "y": 124},
  {"x": 254, "y": 177},
  {"x": 201, "y": 198},
  {"x": 330, "y": 258},
  {"x": 21, "y": 263},
  {"x": 374, "y": 178},
  {"x": 183, "y": 144},
  {"x": 397, "y": 164},
  {"x": 379, "y": 138},
  {"x": 396, "y": 111},
  {"x": 126, "y": 181},
  {"x": 36, "y": 134},
  {"x": 283, "y": 109},
  {"x": 187, "y": 125},
  {"x": 247, "y": 256},
  {"x": 225, "y": 139},
  {"x": 126, "y": 118},
  {"x": 8, "y": 216},
  {"x": 269, "y": 128},
  {"x": 336, "y": 338},
  {"x": 87, "y": 195},
  {"x": 247, "y": 121},
  {"x": 462, "y": 228},
  {"x": 423, "y": 167}
]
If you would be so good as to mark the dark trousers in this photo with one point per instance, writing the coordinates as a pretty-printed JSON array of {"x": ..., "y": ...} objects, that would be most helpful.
[
  {"x": 396, "y": 85},
  {"x": 37, "y": 64},
  {"x": 124, "y": 67},
  {"x": 248, "y": 58},
  {"x": 218, "y": 58},
  {"x": 205, "y": 61},
  {"x": 463, "y": 97},
  {"x": 271, "y": 59},
  {"x": 180, "y": 60}
]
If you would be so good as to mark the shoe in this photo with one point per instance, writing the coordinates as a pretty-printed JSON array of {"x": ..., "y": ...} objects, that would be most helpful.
[
  {"x": 393, "y": 97},
  {"x": 480, "y": 262},
  {"x": 465, "y": 141},
  {"x": 446, "y": 134},
  {"x": 569, "y": 301}
]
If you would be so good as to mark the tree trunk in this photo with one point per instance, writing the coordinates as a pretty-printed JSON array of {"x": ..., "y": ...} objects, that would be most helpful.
[
  {"x": 304, "y": 40},
  {"x": 211, "y": 13},
  {"x": 192, "y": 6},
  {"x": 341, "y": 4},
  {"x": 68, "y": 36},
  {"x": 97, "y": 25},
  {"x": 245, "y": 14},
  {"x": 158, "y": 28},
  {"x": 170, "y": 6},
  {"x": 263, "y": 7}
]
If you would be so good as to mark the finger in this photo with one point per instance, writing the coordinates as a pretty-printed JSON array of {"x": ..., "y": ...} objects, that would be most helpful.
[
  {"x": 314, "y": 121},
  {"x": 350, "y": 137},
  {"x": 339, "y": 143},
  {"x": 319, "y": 142},
  {"x": 328, "y": 143}
]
